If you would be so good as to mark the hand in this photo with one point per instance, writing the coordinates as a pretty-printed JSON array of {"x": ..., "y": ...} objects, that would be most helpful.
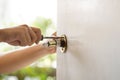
[
  {"x": 51, "y": 49},
  {"x": 22, "y": 35}
]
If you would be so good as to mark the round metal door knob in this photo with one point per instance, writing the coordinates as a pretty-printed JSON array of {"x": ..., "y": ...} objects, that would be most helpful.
[{"x": 63, "y": 44}]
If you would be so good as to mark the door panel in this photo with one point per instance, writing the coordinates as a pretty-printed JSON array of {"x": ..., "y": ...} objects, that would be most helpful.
[{"x": 93, "y": 31}]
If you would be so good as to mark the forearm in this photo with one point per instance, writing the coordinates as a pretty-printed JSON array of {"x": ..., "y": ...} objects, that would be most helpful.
[{"x": 20, "y": 58}]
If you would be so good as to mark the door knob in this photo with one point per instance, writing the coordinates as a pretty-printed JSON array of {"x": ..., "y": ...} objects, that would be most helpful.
[{"x": 60, "y": 42}]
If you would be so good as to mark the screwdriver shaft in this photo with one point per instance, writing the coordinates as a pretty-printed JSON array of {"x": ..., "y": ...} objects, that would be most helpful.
[{"x": 52, "y": 37}]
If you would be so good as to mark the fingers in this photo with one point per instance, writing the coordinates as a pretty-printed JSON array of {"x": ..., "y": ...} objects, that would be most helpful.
[
  {"x": 52, "y": 49},
  {"x": 28, "y": 35},
  {"x": 22, "y": 35},
  {"x": 33, "y": 36},
  {"x": 38, "y": 34},
  {"x": 15, "y": 43}
]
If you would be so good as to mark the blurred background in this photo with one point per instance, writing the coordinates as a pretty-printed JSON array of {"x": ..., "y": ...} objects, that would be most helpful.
[{"x": 37, "y": 13}]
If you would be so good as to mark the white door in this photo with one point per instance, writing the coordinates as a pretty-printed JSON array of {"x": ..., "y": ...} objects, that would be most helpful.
[{"x": 93, "y": 31}]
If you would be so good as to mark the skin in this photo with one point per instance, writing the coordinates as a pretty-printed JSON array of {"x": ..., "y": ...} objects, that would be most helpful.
[
  {"x": 18, "y": 59},
  {"x": 22, "y": 35}
]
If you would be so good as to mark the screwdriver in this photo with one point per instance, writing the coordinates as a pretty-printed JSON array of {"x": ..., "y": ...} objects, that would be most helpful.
[{"x": 51, "y": 37}]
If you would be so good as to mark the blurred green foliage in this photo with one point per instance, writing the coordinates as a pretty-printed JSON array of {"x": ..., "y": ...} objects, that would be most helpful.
[
  {"x": 33, "y": 72},
  {"x": 42, "y": 69},
  {"x": 42, "y": 23}
]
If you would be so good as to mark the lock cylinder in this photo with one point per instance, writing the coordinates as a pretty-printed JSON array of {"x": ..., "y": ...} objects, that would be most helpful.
[{"x": 60, "y": 42}]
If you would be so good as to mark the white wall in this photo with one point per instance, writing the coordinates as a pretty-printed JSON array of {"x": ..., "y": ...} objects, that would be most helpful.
[{"x": 93, "y": 31}]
